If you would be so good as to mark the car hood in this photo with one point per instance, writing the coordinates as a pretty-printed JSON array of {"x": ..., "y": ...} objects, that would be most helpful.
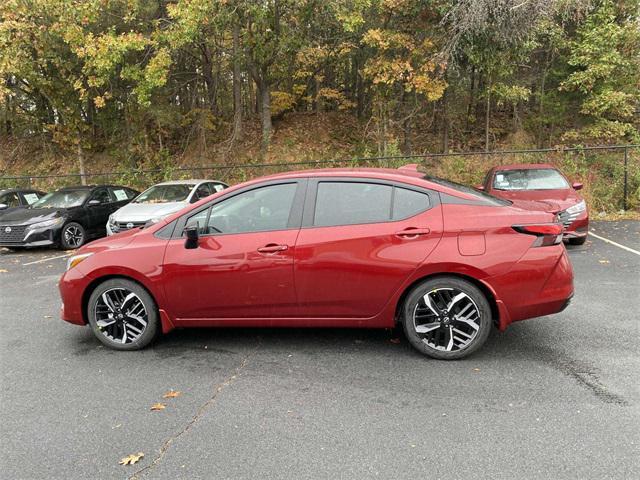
[
  {"x": 561, "y": 198},
  {"x": 27, "y": 216},
  {"x": 141, "y": 212}
]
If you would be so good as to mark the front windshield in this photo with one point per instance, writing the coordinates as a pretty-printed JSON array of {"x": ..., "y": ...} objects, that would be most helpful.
[
  {"x": 529, "y": 179},
  {"x": 165, "y": 193},
  {"x": 62, "y": 199}
]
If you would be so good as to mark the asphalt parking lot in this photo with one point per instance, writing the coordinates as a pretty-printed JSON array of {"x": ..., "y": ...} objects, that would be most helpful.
[{"x": 556, "y": 397}]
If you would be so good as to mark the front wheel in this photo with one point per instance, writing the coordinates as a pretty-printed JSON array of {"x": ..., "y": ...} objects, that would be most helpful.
[
  {"x": 123, "y": 315},
  {"x": 72, "y": 236},
  {"x": 447, "y": 318}
]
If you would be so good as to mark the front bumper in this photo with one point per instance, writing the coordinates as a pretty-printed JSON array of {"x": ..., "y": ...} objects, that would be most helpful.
[
  {"x": 72, "y": 285},
  {"x": 35, "y": 238}
]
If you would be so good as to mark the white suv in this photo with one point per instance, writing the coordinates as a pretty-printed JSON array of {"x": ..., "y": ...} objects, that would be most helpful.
[{"x": 159, "y": 201}]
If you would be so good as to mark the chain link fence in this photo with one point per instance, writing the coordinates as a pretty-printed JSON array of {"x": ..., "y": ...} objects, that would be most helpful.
[{"x": 610, "y": 173}]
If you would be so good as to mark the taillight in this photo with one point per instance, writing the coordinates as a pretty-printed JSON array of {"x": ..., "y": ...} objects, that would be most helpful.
[{"x": 547, "y": 233}]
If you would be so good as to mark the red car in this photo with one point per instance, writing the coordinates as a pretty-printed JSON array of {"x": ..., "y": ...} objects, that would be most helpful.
[
  {"x": 327, "y": 248},
  {"x": 543, "y": 183}
]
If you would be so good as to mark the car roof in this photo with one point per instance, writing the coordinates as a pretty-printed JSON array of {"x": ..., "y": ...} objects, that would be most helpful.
[
  {"x": 10, "y": 190},
  {"x": 90, "y": 187},
  {"x": 191, "y": 181},
  {"x": 524, "y": 166},
  {"x": 408, "y": 174},
  {"x": 381, "y": 173}
]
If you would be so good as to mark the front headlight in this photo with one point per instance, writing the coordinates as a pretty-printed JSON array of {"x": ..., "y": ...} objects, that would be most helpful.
[
  {"x": 155, "y": 220},
  {"x": 46, "y": 224},
  {"x": 577, "y": 208},
  {"x": 111, "y": 220},
  {"x": 76, "y": 259}
]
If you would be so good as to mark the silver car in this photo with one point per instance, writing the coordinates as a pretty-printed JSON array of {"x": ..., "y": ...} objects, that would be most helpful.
[{"x": 159, "y": 201}]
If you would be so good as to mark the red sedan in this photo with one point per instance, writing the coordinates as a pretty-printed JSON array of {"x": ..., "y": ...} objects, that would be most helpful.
[
  {"x": 368, "y": 248},
  {"x": 543, "y": 183}
]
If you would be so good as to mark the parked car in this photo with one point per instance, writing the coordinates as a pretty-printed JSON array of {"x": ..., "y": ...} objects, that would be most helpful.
[
  {"x": 66, "y": 218},
  {"x": 13, "y": 198},
  {"x": 543, "y": 183},
  {"x": 159, "y": 201},
  {"x": 327, "y": 248}
]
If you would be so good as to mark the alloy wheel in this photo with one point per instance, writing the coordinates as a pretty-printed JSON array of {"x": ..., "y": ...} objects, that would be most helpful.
[
  {"x": 120, "y": 315},
  {"x": 447, "y": 319},
  {"x": 73, "y": 236}
]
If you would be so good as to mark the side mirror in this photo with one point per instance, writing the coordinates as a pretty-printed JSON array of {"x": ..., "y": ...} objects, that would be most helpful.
[
  {"x": 93, "y": 203},
  {"x": 192, "y": 235},
  {"x": 479, "y": 187},
  {"x": 577, "y": 186},
  {"x": 3, "y": 206}
]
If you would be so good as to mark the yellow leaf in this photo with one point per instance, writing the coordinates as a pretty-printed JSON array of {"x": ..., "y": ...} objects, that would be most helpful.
[
  {"x": 2, "y": 270},
  {"x": 171, "y": 394},
  {"x": 604, "y": 261},
  {"x": 131, "y": 459},
  {"x": 158, "y": 406}
]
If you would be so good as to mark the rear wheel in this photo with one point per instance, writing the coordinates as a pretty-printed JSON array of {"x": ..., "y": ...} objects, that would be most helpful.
[
  {"x": 123, "y": 315},
  {"x": 447, "y": 318},
  {"x": 72, "y": 236}
]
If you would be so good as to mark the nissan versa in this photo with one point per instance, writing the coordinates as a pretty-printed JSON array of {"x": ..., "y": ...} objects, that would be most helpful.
[
  {"x": 538, "y": 182},
  {"x": 327, "y": 248}
]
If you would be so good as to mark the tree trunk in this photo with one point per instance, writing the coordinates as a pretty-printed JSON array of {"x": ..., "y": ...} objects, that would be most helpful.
[
  {"x": 486, "y": 118},
  {"x": 472, "y": 97},
  {"x": 445, "y": 121},
  {"x": 265, "y": 114},
  {"x": 237, "y": 85},
  {"x": 83, "y": 176}
]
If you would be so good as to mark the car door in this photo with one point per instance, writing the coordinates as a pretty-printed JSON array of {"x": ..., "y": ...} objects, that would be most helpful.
[
  {"x": 243, "y": 265},
  {"x": 359, "y": 241},
  {"x": 98, "y": 208}
]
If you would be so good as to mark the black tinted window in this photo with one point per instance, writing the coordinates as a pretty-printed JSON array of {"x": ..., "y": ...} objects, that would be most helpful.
[
  {"x": 345, "y": 203},
  {"x": 261, "y": 209},
  {"x": 407, "y": 203},
  {"x": 10, "y": 200}
]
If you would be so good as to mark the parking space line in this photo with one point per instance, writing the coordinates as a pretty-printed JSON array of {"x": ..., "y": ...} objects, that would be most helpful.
[
  {"x": 614, "y": 243},
  {"x": 42, "y": 260}
]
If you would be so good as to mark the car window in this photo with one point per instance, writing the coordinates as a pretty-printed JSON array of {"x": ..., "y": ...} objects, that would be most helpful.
[
  {"x": 10, "y": 199},
  {"x": 345, "y": 203},
  {"x": 31, "y": 197},
  {"x": 120, "y": 194},
  {"x": 407, "y": 203},
  {"x": 202, "y": 191},
  {"x": 102, "y": 195},
  {"x": 261, "y": 209}
]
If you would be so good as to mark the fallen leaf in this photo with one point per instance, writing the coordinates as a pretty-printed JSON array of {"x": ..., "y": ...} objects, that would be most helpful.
[
  {"x": 395, "y": 340},
  {"x": 476, "y": 369},
  {"x": 603, "y": 261},
  {"x": 131, "y": 459},
  {"x": 2, "y": 270},
  {"x": 171, "y": 394},
  {"x": 158, "y": 406},
  {"x": 48, "y": 316}
]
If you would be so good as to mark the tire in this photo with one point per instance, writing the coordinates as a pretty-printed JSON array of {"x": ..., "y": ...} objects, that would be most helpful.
[
  {"x": 123, "y": 315},
  {"x": 72, "y": 236},
  {"x": 456, "y": 304},
  {"x": 578, "y": 240}
]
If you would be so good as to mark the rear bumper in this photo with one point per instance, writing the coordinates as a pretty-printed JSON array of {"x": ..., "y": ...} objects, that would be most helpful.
[{"x": 540, "y": 284}]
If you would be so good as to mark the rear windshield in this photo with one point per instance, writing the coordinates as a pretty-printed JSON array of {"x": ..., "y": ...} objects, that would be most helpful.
[
  {"x": 529, "y": 179},
  {"x": 482, "y": 196}
]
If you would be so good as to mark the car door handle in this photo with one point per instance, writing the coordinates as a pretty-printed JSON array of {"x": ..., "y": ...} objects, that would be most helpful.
[
  {"x": 413, "y": 232},
  {"x": 273, "y": 248}
]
